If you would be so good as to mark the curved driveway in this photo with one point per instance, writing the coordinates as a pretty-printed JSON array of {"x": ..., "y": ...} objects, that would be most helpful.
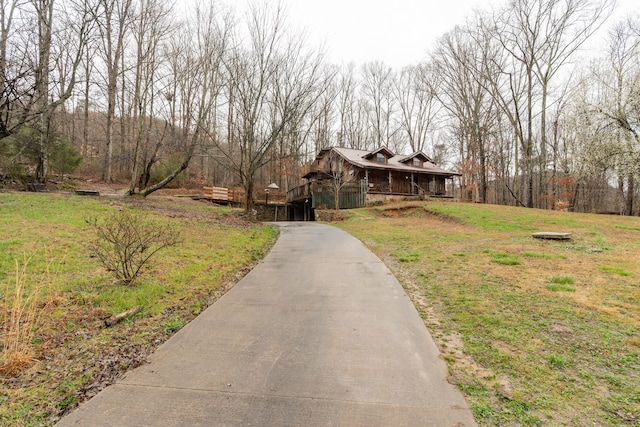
[{"x": 318, "y": 334}]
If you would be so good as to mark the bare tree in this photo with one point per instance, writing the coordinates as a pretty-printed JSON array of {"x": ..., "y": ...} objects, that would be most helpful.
[
  {"x": 113, "y": 19},
  {"x": 341, "y": 176},
  {"x": 570, "y": 24},
  {"x": 377, "y": 92},
  {"x": 418, "y": 104},
  {"x": 540, "y": 36},
  {"x": 273, "y": 84},
  {"x": 615, "y": 107},
  {"x": 153, "y": 26},
  {"x": 457, "y": 59},
  {"x": 15, "y": 98},
  {"x": 196, "y": 61},
  {"x": 352, "y": 109},
  {"x": 29, "y": 59},
  {"x": 73, "y": 34},
  {"x": 345, "y": 99}
]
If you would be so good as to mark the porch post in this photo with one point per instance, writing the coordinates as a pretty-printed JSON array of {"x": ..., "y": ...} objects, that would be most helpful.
[
  {"x": 412, "y": 186},
  {"x": 390, "y": 183}
]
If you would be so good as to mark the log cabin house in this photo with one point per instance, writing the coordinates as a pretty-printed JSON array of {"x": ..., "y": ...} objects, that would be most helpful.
[{"x": 362, "y": 178}]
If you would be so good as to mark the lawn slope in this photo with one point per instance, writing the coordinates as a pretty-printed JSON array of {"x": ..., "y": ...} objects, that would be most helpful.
[
  {"x": 46, "y": 236},
  {"x": 534, "y": 332}
]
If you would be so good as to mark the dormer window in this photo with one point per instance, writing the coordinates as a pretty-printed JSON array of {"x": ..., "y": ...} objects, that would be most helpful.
[
  {"x": 380, "y": 158},
  {"x": 416, "y": 162}
]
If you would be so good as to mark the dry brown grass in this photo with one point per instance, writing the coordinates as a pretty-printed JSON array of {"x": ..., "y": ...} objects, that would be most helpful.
[{"x": 20, "y": 322}]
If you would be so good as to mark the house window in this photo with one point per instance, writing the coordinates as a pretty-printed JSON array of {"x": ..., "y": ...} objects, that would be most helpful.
[
  {"x": 416, "y": 162},
  {"x": 380, "y": 158}
]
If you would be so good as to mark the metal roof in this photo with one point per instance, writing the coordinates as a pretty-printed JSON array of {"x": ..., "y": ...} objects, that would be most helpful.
[{"x": 357, "y": 158}]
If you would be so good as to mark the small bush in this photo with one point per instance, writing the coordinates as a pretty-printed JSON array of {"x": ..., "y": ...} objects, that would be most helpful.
[{"x": 126, "y": 240}]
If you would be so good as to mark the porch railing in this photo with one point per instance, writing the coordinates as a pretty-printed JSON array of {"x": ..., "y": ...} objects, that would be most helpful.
[{"x": 404, "y": 187}]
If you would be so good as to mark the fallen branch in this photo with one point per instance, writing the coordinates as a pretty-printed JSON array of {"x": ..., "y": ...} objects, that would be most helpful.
[
  {"x": 117, "y": 318},
  {"x": 514, "y": 196}
]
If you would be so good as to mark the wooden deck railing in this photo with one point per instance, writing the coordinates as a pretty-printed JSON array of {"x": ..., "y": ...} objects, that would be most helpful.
[
  {"x": 301, "y": 192},
  {"x": 397, "y": 187}
]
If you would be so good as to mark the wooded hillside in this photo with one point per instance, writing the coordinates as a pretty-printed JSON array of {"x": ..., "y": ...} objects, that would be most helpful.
[{"x": 148, "y": 92}]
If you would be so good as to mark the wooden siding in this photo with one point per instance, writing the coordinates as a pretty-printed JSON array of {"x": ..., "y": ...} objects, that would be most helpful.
[
  {"x": 351, "y": 196},
  {"x": 347, "y": 201}
]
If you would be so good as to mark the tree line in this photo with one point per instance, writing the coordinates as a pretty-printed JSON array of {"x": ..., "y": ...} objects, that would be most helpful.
[{"x": 142, "y": 91}]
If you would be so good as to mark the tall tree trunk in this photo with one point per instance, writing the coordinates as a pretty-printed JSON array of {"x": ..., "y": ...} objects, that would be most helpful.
[
  {"x": 85, "y": 129},
  {"x": 628, "y": 206},
  {"x": 44, "y": 9},
  {"x": 248, "y": 194},
  {"x": 108, "y": 157},
  {"x": 483, "y": 168}
]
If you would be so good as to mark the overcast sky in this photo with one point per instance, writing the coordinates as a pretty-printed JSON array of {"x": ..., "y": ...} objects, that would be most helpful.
[{"x": 398, "y": 32}]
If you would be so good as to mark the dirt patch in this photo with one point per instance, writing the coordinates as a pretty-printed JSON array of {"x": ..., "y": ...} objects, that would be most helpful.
[
  {"x": 413, "y": 210},
  {"x": 448, "y": 342},
  {"x": 331, "y": 215},
  {"x": 173, "y": 207}
]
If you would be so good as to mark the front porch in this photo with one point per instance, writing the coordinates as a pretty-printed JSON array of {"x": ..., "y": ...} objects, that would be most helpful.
[
  {"x": 405, "y": 183},
  {"x": 373, "y": 187}
]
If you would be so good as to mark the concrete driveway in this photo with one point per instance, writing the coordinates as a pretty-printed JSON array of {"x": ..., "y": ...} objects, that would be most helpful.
[{"x": 318, "y": 334}]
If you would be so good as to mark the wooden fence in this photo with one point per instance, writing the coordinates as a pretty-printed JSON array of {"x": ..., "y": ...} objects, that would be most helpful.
[
  {"x": 351, "y": 196},
  {"x": 217, "y": 194},
  {"x": 236, "y": 196}
]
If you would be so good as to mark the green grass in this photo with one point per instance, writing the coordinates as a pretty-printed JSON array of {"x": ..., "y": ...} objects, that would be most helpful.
[
  {"x": 529, "y": 356},
  {"x": 543, "y": 255},
  {"x": 615, "y": 270},
  {"x": 555, "y": 287},
  {"x": 404, "y": 255},
  {"x": 50, "y": 230},
  {"x": 627, "y": 227},
  {"x": 503, "y": 258},
  {"x": 563, "y": 280},
  {"x": 557, "y": 361},
  {"x": 561, "y": 284},
  {"x": 173, "y": 325}
]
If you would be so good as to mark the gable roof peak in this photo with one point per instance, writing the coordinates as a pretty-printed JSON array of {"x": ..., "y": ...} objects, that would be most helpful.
[
  {"x": 415, "y": 154},
  {"x": 384, "y": 150}
]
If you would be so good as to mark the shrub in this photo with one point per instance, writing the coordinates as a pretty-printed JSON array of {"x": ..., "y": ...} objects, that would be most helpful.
[
  {"x": 65, "y": 158},
  {"x": 126, "y": 240}
]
